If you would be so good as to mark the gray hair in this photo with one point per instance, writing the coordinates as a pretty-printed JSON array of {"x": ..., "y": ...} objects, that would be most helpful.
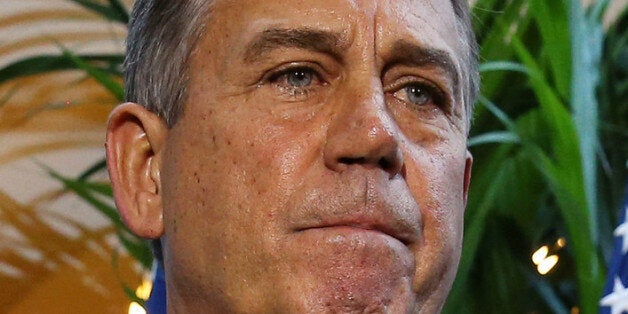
[
  {"x": 163, "y": 34},
  {"x": 470, "y": 71}
]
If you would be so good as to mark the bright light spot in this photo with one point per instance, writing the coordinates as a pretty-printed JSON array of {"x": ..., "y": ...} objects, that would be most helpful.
[
  {"x": 561, "y": 242},
  {"x": 143, "y": 291},
  {"x": 575, "y": 310},
  {"x": 544, "y": 264},
  {"x": 547, "y": 264},
  {"x": 135, "y": 308},
  {"x": 539, "y": 255}
]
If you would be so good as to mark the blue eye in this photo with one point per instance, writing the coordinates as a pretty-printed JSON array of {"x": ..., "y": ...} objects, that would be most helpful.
[
  {"x": 296, "y": 82},
  {"x": 418, "y": 95},
  {"x": 299, "y": 77}
]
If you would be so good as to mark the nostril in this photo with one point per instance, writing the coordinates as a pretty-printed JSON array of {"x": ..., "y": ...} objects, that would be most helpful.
[
  {"x": 385, "y": 164},
  {"x": 352, "y": 161}
]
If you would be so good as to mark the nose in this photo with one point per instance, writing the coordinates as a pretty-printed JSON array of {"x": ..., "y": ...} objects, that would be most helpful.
[{"x": 363, "y": 133}]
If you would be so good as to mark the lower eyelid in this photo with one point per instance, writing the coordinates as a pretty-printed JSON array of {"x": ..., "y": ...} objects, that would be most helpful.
[{"x": 292, "y": 93}]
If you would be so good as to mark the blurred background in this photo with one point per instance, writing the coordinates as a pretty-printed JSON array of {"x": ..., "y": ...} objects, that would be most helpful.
[
  {"x": 549, "y": 141},
  {"x": 58, "y": 254}
]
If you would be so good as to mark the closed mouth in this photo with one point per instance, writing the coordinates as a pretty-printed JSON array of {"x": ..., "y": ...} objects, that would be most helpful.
[{"x": 362, "y": 228}]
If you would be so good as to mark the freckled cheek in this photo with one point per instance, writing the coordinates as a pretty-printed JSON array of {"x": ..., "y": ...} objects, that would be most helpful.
[
  {"x": 190, "y": 189},
  {"x": 213, "y": 190},
  {"x": 282, "y": 154}
]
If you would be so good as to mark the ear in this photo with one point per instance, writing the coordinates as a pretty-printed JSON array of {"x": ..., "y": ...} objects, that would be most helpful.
[
  {"x": 467, "y": 175},
  {"x": 134, "y": 145}
]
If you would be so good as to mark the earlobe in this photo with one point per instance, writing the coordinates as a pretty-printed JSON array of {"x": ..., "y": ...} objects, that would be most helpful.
[
  {"x": 134, "y": 144},
  {"x": 467, "y": 176}
]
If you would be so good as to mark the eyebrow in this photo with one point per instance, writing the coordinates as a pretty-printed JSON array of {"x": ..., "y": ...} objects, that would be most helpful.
[
  {"x": 303, "y": 38},
  {"x": 407, "y": 53}
]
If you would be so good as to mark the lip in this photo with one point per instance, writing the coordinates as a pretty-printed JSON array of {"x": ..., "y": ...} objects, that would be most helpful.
[{"x": 400, "y": 233}]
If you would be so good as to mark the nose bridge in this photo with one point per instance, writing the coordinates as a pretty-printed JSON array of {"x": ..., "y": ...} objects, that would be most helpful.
[
  {"x": 362, "y": 132},
  {"x": 363, "y": 99},
  {"x": 364, "y": 111}
]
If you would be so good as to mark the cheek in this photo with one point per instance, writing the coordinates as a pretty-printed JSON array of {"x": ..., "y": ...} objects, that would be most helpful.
[
  {"x": 281, "y": 155},
  {"x": 229, "y": 180},
  {"x": 436, "y": 178}
]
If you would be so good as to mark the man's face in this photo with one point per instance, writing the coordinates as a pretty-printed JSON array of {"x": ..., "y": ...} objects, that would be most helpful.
[{"x": 320, "y": 164}]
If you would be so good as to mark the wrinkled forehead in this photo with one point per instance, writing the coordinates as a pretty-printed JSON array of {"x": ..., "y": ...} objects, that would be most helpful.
[
  {"x": 429, "y": 23},
  {"x": 365, "y": 30}
]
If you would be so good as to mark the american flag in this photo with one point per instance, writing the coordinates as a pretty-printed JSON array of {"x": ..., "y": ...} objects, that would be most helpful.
[{"x": 615, "y": 297}]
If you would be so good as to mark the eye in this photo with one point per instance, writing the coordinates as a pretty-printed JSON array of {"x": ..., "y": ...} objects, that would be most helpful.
[
  {"x": 300, "y": 77},
  {"x": 418, "y": 94},
  {"x": 296, "y": 81}
]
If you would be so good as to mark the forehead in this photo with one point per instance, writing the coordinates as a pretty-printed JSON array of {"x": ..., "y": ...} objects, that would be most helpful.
[{"x": 429, "y": 23}]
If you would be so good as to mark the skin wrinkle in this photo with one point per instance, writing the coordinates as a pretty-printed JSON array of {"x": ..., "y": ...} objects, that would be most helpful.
[
  {"x": 455, "y": 62},
  {"x": 136, "y": 59},
  {"x": 410, "y": 54},
  {"x": 419, "y": 16},
  {"x": 303, "y": 38}
]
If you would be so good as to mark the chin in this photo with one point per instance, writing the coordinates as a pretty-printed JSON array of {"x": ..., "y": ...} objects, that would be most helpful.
[
  {"x": 350, "y": 303},
  {"x": 341, "y": 290}
]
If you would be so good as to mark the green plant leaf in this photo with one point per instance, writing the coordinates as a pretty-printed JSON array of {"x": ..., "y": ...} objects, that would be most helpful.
[
  {"x": 97, "y": 187},
  {"x": 50, "y": 63},
  {"x": 498, "y": 113},
  {"x": 102, "y": 77},
  {"x": 119, "y": 8},
  {"x": 114, "y": 12},
  {"x": 97, "y": 167},
  {"x": 507, "y": 16},
  {"x": 484, "y": 12},
  {"x": 137, "y": 247},
  {"x": 586, "y": 47},
  {"x": 552, "y": 19},
  {"x": 503, "y": 66},
  {"x": 493, "y": 137},
  {"x": 84, "y": 191},
  {"x": 565, "y": 177},
  {"x": 547, "y": 293}
]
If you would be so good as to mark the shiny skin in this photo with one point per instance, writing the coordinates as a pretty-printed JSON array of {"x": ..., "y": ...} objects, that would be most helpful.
[{"x": 328, "y": 190}]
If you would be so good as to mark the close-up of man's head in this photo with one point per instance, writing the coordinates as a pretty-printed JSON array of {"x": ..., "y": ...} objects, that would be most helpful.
[{"x": 298, "y": 156}]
